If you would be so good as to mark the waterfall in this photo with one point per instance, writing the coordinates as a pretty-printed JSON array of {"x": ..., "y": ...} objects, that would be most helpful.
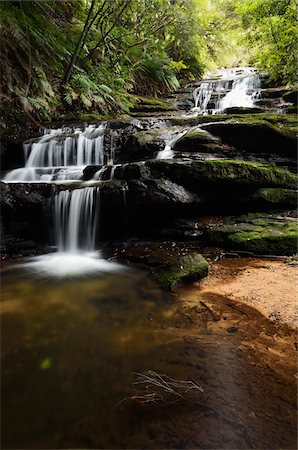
[
  {"x": 230, "y": 87},
  {"x": 76, "y": 221},
  {"x": 244, "y": 92},
  {"x": 61, "y": 154},
  {"x": 167, "y": 152},
  {"x": 75, "y": 216}
]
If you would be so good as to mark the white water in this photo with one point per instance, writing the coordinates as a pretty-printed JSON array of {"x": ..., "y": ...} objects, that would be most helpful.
[
  {"x": 230, "y": 87},
  {"x": 61, "y": 154},
  {"x": 167, "y": 152},
  {"x": 76, "y": 220}
]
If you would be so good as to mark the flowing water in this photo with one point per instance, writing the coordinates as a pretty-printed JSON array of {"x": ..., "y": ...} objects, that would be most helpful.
[
  {"x": 61, "y": 154},
  {"x": 69, "y": 350},
  {"x": 237, "y": 87}
]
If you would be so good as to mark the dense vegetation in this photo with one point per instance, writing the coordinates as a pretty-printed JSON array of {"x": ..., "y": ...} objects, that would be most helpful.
[
  {"x": 271, "y": 31},
  {"x": 95, "y": 55}
]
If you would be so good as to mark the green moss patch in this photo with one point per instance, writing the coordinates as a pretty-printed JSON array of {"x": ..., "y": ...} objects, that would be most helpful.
[
  {"x": 149, "y": 104},
  {"x": 261, "y": 236},
  {"x": 245, "y": 173},
  {"x": 277, "y": 196},
  {"x": 190, "y": 267}
]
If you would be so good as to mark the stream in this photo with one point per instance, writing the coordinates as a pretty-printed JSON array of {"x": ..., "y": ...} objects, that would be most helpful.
[
  {"x": 70, "y": 348},
  {"x": 76, "y": 326}
]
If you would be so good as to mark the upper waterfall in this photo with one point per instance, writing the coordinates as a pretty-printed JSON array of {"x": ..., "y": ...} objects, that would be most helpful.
[
  {"x": 230, "y": 87},
  {"x": 61, "y": 154}
]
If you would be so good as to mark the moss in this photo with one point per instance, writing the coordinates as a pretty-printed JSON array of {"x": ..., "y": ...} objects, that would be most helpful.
[
  {"x": 191, "y": 266},
  {"x": 277, "y": 196},
  {"x": 195, "y": 135},
  {"x": 150, "y": 104},
  {"x": 245, "y": 172},
  {"x": 261, "y": 237},
  {"x": 291, "y": 110}
]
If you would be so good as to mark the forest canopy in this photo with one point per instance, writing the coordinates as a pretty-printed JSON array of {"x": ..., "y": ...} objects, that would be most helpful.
[{"x": 95, "y": 55}]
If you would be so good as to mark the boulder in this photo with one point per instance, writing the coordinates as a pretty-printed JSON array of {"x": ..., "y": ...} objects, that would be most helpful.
[
  {"x": 291, "y": 97},
  {"x": 274, "y": 92},
  {"x": 261, "y": 236},
  {"x": 194, "y": 174},
  {"x": 149, "y": 104},
  {"x": 145, "y": 144},
  {"x": 255, "y": 136},
  {"x": 23, "y": 207},
  {"x": 189, "y": 267},
  {"x": 243, "y": 110},
  {"x": 197, "y": 141},
  {"x": 278, "y": 197}
]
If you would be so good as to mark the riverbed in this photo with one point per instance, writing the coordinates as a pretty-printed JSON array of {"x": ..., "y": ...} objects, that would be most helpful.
[{"x": 70, "y": 348}]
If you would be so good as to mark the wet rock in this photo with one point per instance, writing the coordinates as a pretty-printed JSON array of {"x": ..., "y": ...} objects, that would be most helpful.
[
  {"x": 142, "y": 145},
  {"x": 145, "y": 144},
  {"x": 11, "y": 153},
  {"x": 150, "y": 104},
  {"x": 291, "y": 110},
  {"x": 243, "y": 110},
  {"x": 277, "y": 196},
  {"x": 90, "y": 171},
  {"x": 291, "y": 97},
  {"x": 255, "y": 136},
  {"x": 261, "y": 236},
  {"x": 194, "y": 174},
  {"x": 274, "y": 92},
  {"x": 24, "y": 215},
  {"x": 189, "y": 267},
  {"x": 198, "y": 141}
]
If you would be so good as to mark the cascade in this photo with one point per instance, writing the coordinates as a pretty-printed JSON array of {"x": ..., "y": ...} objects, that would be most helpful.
[
  {"x": 230, "y": 87},
  {"x": 61, "y": 154},
  {"x": 167, "y": 152},
  {"x": 75, "y": 216}
]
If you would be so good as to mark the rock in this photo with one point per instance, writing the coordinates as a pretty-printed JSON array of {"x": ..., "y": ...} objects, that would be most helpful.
[
  {"x": 261, "y": 236},
  {"x": 143, "y": 145},
  {"x": 274, "y": 92},
  {"x": 243, "y": 110},
  {"x": 291, "y": 97},
  {"x": 194, "y": 174},
  {"x": 255, "y": 136},
  {"x": 291, "y": 110},
  {"x": 23, "y": 220},
  {"x": 190, "y": 267},
  {"x": 150, "y": 104},
  {"x": 277, "y": 196},
  {"x": 197, "y": 141}
]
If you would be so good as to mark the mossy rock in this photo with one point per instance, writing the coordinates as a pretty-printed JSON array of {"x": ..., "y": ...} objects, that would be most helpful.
[
  {"x": 277, "y": 196},
  {"x": 190, "y": 267},
  {"x": 291, "y": 97},
  {"x": 291, "y": 110},
  {"x": 256, "y": 136},
  {"x": 150, "y": 104},
  {"x": 261, "y": 236},
  {"x": 197, "y": 141},
  {"x": 243, "y": 110},
  {"x": 243, "y": 172}
]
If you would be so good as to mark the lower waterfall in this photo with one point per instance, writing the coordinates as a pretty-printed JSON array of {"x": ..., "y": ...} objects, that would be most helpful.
[{"x": 76, "y": 216}]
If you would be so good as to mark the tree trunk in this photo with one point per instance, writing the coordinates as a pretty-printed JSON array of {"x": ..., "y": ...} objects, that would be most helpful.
[{"x": 79, "y": 45}]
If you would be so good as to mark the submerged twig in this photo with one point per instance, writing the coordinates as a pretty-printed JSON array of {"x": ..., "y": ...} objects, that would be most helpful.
[{"x": 161, "y": 388}]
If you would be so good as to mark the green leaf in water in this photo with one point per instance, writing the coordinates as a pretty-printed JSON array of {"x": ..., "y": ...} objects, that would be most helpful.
[{"x": 46, "y": 364}]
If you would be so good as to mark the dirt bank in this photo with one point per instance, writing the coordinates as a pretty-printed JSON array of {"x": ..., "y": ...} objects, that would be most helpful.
[{"x": 270, "y": 286}]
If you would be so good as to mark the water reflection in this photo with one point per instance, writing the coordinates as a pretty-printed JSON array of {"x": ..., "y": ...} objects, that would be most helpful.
[{"x": 69, "y": 350}]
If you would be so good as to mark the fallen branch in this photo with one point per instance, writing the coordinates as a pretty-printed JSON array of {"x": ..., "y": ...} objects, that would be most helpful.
[{"x": 162, "y": 388}]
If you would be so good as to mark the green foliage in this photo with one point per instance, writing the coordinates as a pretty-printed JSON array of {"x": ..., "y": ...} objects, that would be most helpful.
[
  {"x": 272, "y": 31},
  {"x": 90, "y": 56}
]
